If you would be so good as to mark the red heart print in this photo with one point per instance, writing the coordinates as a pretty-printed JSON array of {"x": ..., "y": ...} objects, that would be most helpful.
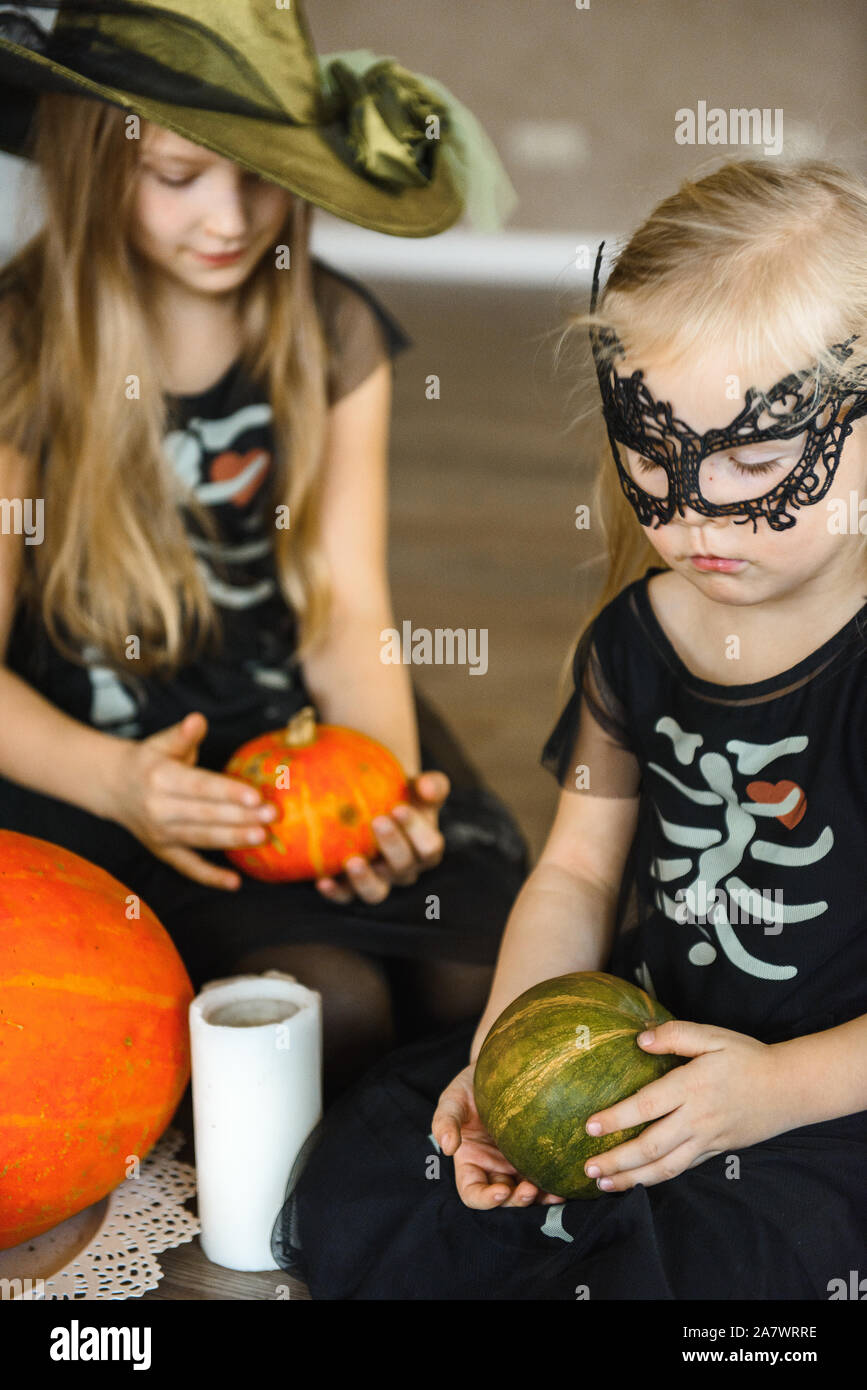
[
  {"x": 778, "y": 791},
  {"x": 230, "y": 464}
]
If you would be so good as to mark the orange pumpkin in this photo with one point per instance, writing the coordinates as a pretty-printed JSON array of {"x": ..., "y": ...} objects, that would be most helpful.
[
  {"x": 328, "y": 784},
  {"x": 94, "y": 1050}
]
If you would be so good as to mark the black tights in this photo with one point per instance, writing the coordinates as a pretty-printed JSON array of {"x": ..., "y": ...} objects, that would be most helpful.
[{"x": 372, "y": 1003}]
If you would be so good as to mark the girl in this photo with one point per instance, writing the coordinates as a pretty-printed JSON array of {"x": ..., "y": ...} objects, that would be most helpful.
[
  {"x": 708, "y": 844},
  {"x": 202, "y": 409}
]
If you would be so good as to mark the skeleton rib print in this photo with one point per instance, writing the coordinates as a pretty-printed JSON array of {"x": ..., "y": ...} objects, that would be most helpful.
[{"x": 719, "y": 853}]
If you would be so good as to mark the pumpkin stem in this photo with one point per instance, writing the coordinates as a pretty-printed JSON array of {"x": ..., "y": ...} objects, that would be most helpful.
[{"x": 301, "y": 729}]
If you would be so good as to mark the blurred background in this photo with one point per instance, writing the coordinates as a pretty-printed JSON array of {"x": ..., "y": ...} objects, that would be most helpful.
[{"x": 580, "y": 101}]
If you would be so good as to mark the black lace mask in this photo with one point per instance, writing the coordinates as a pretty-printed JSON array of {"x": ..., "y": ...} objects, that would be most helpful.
[{"x": 820, "y": 408}]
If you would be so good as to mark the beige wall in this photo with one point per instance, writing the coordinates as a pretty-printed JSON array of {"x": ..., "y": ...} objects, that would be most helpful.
[{"x": 605, "y": 83}]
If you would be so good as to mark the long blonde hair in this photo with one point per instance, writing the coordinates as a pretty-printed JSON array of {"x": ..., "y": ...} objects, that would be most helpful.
[
  {"x": 116, "y": 559},
  {"x": 767, "y": 258}
]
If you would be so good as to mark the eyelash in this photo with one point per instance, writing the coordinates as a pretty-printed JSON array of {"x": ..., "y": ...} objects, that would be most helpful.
[
  {"x": 182, "y": 183},
  {"x": 746, "y": 470}
]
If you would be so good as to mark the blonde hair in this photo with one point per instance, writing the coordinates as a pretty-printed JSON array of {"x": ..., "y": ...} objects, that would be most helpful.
[
  {"x": 116, "y": 558},
  {"x": 767, "y": 258}
]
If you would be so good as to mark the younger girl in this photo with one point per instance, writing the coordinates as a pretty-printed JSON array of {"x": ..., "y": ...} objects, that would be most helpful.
[
  {"x": 709, "y": 842},
  {"x": 202, "y": 409}
]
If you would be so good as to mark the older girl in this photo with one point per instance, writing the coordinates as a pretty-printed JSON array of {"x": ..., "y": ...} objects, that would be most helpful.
[{"x": 202, "y": 408}]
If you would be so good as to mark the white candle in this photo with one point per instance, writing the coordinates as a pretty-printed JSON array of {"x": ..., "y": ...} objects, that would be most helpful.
[{"x": 256, "y": 1043}]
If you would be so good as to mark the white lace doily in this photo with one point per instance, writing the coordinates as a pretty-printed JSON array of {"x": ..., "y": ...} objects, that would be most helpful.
[{"x": 145, "y": 1216}]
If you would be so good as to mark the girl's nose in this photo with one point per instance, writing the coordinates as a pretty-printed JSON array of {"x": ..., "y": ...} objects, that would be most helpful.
[
  {"x": 707, "y": 523},
  {"x": 227, "y": 216}
]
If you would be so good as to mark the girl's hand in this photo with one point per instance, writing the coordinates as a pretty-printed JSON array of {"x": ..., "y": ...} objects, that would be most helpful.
[
  {"x": 725, "y": 1099},
  {"x": 484, "y": 1178},
  {"x": 410, "y": 841},
  {"x": 168, "y": 803}
]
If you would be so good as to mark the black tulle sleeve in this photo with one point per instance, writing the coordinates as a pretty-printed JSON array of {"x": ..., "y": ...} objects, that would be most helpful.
[
  {"x": 589, "y": 749},
  {"x": 360, "y": 331}
]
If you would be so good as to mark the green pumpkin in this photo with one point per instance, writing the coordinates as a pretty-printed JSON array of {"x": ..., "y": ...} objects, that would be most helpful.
[{"x": 559, "y": 1053}]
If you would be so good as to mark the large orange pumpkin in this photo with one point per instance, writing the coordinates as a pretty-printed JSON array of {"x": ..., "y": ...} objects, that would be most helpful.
[
  {"x": 94, "y": 1049},
  {"x": 328, "y": 783}
]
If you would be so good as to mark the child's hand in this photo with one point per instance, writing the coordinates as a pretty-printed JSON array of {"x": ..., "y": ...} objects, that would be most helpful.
[
  {"x": 725, "y": 1099},
  {"x": 168, "y": 803},
  {"x": 410, "y": 841},
  {"x": 484, "y": 1178}
]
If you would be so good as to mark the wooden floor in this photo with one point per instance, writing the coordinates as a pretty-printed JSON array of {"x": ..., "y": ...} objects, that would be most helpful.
[{"x": 485, "y": 482}]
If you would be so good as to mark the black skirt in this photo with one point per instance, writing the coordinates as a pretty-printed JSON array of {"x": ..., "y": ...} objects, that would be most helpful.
[
  {"x": 484, "y": 864},
  {"x": 373, "y": 1212}
]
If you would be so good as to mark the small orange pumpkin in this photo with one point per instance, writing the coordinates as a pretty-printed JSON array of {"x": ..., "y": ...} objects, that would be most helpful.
[
  {"x": 94, "y": 1044},
  {"x": 328, "y": 783}
]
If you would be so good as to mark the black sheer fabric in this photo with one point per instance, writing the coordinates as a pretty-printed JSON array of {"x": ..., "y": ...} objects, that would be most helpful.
[{"x": 589, "y": 749}]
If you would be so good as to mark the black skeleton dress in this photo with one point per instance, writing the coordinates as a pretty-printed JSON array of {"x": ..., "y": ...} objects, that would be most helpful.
[
  {"x": 221, "y": 444},
  {"x": 742, "y": 905}
]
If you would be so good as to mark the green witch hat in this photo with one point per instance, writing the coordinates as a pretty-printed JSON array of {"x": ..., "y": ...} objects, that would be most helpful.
[{"x": 356, "y": 134}]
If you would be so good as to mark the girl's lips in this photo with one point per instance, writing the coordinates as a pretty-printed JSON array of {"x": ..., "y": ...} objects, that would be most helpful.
[
  {"x": 716, "y": 563},
  {"x": 220, "y": 260}
]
